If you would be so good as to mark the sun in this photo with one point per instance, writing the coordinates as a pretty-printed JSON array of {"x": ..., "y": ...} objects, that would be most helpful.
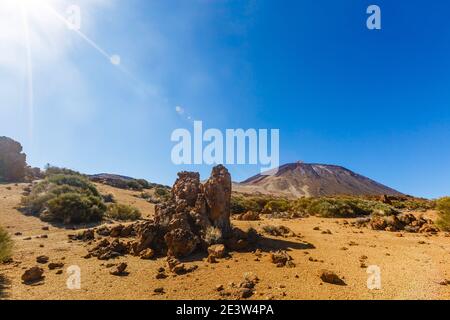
[{"x": 26, "y": 4}]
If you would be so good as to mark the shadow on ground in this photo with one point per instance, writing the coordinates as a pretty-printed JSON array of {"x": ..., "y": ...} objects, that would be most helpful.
[
  {"x": 270, "y": 244},
  {"x": 5, "y": 285}
]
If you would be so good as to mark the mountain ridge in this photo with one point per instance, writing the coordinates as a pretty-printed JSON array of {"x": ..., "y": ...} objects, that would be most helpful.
[{"x": 312, "y": 180}]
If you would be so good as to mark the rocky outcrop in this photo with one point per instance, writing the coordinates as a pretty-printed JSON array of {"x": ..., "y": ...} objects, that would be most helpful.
[
  {"x": 403, "y": 222},
  {"x": 12, "y": 161},
  {"x": 196, "y": 217},
  {"x": 218, "y": 198},
  {"x": 184, "y": 222}
]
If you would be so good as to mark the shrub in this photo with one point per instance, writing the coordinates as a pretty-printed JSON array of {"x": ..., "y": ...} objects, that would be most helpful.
[
  {"x": 52, "y": 170},
  {"x": 213, "y": 235},
  {"x": 74, "y": 208},
  {"x": 6, "y": 245},
  {"x": 413, "y": 204},
  {"x": 277, "y": 206},
  {"x": 134, "y": 185},
  {"x": 241, "y": 204},
  {"x": 443, "y": 206},
  {"x": 123, "y": 212},
  {"x": 73, "y": 181},
  {"x": 108, "y": 198},
  {"x": 65, "y": 198},
  {"x": 348, "y": 208},
  {"x": 162, "y": 193},
  {"x": 144, "y": 183}
]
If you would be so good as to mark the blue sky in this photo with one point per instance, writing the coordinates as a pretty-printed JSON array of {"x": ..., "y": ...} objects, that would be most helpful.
[{"x": 376, "y": 102}]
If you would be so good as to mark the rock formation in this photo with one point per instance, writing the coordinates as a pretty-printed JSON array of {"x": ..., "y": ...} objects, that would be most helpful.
[
  {"x": 196, "y": 217},
  {"x": 12, "y": 161}
]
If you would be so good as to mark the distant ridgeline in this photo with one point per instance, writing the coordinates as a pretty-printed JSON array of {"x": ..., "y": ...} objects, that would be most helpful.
[{"x": 124, "y": 182}]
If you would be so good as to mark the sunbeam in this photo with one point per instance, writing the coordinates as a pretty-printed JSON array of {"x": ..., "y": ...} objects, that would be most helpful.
[{"x": 29, "y": 70}]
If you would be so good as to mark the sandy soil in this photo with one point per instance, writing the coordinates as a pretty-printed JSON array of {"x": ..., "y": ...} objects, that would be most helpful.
[{"x": 411, "y": 266}]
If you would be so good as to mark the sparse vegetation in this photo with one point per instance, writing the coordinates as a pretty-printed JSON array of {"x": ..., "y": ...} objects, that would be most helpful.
[
  {"x": 413, "y": 204},
  {"x": 123, "y": 212},
  {"x": 6, "y": 245},
  {"x": 327, "y": 207},
  {"x": 74, "y": 208},
  {"x": 244, "y": 203},
  {"x": 347, "y": 207},
  {"x": 213, "y": 235},
  {"x": 162, "y": 193},
  {"x": 274, "y": 206},
  {"x": 109, "y": 198},
  {"x": 53, "y": 170},
  {"x": 65, "y": 198},
  {"x": 443, "y": 205}
]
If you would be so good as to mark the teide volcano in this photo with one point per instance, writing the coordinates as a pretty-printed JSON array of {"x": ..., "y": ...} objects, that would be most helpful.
[{"x": 313, "y": 180}]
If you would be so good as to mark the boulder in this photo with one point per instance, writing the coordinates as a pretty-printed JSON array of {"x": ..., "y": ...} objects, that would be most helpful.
[
  {"x": 331, "y": 277},
  {"x": 120, "y": 270},
  {"x": 217, "y": 250},
  {"x": 218, "y": 198},
  {"x": 181, "y": 242},
  {"x": 13, "y": 164},
  {"x": 32, "y": 275}
]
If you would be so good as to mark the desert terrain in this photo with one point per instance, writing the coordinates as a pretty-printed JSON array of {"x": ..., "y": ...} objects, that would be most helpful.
[{"x": 413, "y": 265}]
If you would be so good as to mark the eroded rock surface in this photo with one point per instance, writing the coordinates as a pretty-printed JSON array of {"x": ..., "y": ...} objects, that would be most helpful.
[{"x": 195, "y": 218}]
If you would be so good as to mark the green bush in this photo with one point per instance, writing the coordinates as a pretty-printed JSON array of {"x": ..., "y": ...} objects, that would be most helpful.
[
  {"x": 144, "y": 183},
  {"x": 443, "y": 206},
  {"x": 162, "y": 193},
  {"x": 65, "y": 198},
  {"x": 414, "y": 204},
  {"x": 123, "y": 212},
  {"x": 244, "y": 203},
  {"x": 6, "y": 245},
  {"x": 52, "y": 170},
  {"x": 74, "y": 208},
  {"x": 274, "y": 206}
]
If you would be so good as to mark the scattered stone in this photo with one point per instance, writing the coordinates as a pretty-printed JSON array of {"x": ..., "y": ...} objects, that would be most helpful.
[
  {"x": 33, "y": 275},
  {"x": 211, "y": 259},
  {"x": 331, "y": 277},
  {"x": 159, "y": 290},
  {"x": 444, "y": 282},
  {"x": 278, "y": 231},
  {"x": 147, "y": 254},
  {"x": 161, "y": 275},
  {"x": 86, "y": 235},
  {"x": 217, "y": 251},
  {"x": 281, "y": 258},
  {"x": 248, "y": 216},
  {"x": 55, "y": 265},
  {"x": 246, "y": 293},
  {"x": 219, "y": 288},
  {"x": 403, "y": 221},
  {"x": 42, "y": 259},
  {"x": 120, "y": 270}
]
